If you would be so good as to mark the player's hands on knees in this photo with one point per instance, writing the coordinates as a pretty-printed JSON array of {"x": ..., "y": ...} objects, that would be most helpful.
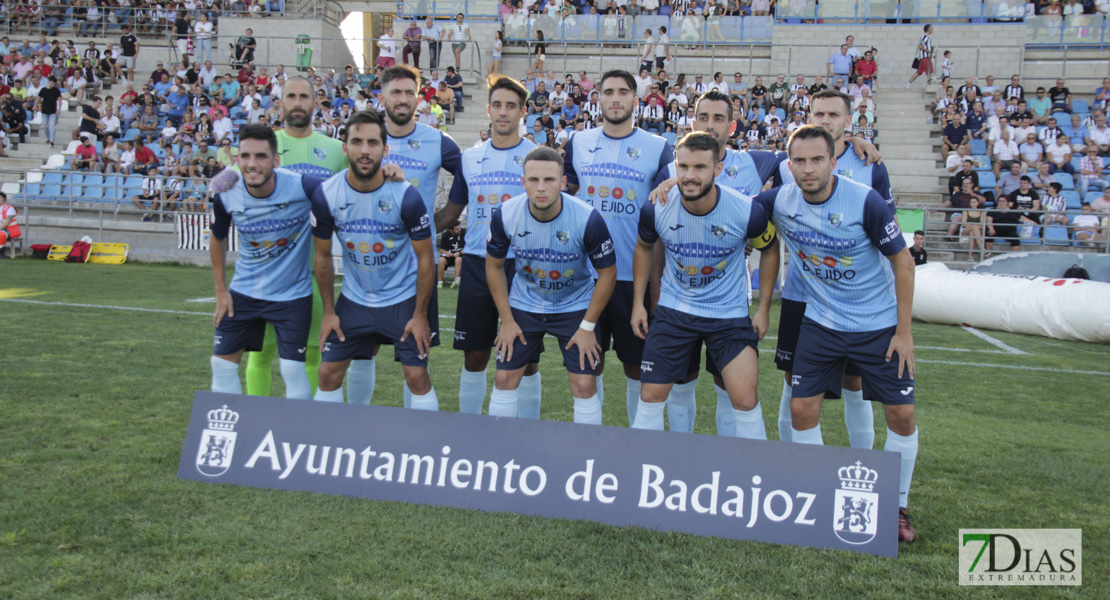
[
  {"x": 640, "y": 321},
  {"x": 329, "y": 324},
  {"x": 588, "y": 348},
  {"x": 902, "y": 343},
  {"x": 393, "y": 173},
  {"x": 224, "y": 307},
  {"x": 420, "y": 331},
  {"x": 659, "y": 194},
  {"x": 761, "y": 323},
  {"x": 509, "y": 333}
]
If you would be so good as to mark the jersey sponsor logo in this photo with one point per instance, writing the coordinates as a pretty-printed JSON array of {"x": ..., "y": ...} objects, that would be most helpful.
[
  {"x": 525, "y": 234},
  {"x": 907, "y": 391},
  {"x": 676, "y": 227}
]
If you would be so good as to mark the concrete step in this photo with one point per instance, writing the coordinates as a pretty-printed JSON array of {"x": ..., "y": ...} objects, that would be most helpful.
[
  {"x": 909, "y": 166},
  {"x": 918, "y": 200}
]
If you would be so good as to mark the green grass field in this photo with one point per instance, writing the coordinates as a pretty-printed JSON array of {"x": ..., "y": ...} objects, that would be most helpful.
[{"x": 94, "y": 402}]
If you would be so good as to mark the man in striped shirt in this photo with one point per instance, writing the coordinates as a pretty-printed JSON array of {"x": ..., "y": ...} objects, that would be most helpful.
[{"x": 924, "y": 56}]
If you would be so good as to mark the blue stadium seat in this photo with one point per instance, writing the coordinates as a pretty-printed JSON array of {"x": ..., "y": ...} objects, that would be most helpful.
[
  {"x": 1075, "y": 159},
  {"x": 73, "y": 185},
  {"x": 982, "y": 163},
  {"x": 132, "y": 186},
  {"x": 236, "y": 112},
  {"x": 52, "y": 186},
  {"x": 531, "y": 119},
  {"x": 1072, "y": 198},
  {"x": 1056, "y": 235},
  {"x": 158, "y": 151},
  {"x": 1035, "y": 239},
  {"x": 131, "y": 134},
  {"x": 1068, "y": 130},
  {"x": 1064, "y": 179},
  {"x": 781, "y": 114},
  {"x": 1092, "y": 196},
  {"x": 1080, "y": 106},
  {"x": 987, "y": 180},
  {"x": 93, "y": 187},
  {"x": 112, "y": 186},
  {"x": 978, "y": 147}
]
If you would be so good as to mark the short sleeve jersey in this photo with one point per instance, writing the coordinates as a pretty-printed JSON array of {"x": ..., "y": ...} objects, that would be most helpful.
[
  {"x": 705, "y": 274},
  {"x": 852, "y": 167},
  {"x": 552, "y": 275},
  {"x": 490, "y": 176},
  {"x": 745, "y": 172},
  {"x": 375, "y": 230},
  {"x": 274, "y": 240},
  {"x": 840, "y": 245},
  {"x": 422, "y": 153},
  {"x": 615, "y": 176},
  {"x": 317, "y": 154}
]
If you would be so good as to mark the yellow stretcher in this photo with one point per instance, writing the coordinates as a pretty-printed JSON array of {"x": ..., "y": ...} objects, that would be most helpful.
[{"x": 101, "y": 253}]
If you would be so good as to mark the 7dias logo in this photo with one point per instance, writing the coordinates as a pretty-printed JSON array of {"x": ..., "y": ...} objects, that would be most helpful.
[
  {"x": 217, "y": 442},
  {"x": 1021, "y": 557}
]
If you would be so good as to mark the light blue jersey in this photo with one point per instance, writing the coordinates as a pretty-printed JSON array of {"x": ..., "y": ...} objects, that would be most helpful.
[
  {"x": 852, "y": 167},
  {"x": 421, "y": 154},
  {"x": 490, "y": 176},
  {"x": 274, "y": 240},
  {"x": 840, "y": 245},
  {"x": 745, "y": 172},
  {"x": 375, "y": 230},
  {"x": 705, "y": 274},
  {"x": 615, "y": 175},
  {"x": 553, "y": 257}
]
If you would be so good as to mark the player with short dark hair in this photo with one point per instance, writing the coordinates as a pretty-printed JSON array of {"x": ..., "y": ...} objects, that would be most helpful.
[
  {"x": 389, "y": 267},
  {"x": 858, "y": 304},
  {"x": 556, "y": 238},
  {"x": 491, "y": 173},
  {"x": 614, "y": 168},
  {"x": 703, "y": 292},
  {"x": 272, "y": 284}
]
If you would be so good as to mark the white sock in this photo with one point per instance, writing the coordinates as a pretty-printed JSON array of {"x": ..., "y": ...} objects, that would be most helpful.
[
  {"x": 335, "y": 395},
  {"x": 649, "y": 415},
  {"x": 296, "y": 380},
  {"x": 472, "y": 391},
  {"x": 587, "y": 410},
  {"x": 809, "y": 436},
  {"x": 407, "y": 394},
  {"x": 785, "y": 419},
  {"x": 632, "y": 398},
  {"x": 600, "y": 389},
  {"x": 859, "y": 419},
  {"x": 682, "y": 406},
  {"x": 225, "y": 376},
  {"x": 726, "y": 417},
  {"x": 427, "y": 401},
  {"x": 529, "y": 395},
  {"x": 361, "y": 376},
  {"x": 907, "y": 447},
  {"x": 502, "y": 403},
  {"x": 749, "y": 423}
]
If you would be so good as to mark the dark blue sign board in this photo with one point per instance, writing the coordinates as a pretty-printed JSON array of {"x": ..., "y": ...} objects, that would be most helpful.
[{"x": 817, "y": 496}]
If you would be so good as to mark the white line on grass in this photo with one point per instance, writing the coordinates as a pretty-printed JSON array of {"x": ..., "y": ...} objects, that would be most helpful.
[
  {"x": 1015, "y": 367},
  {"x": 997, "y": 343},
  {"x": 108, "y": 306},
  {"x": 201, "y": 300}
]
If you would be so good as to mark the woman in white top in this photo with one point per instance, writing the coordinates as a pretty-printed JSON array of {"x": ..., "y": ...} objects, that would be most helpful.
[
  {"x": 203, "y": 30},
  {"x": 495, "y": 61}
]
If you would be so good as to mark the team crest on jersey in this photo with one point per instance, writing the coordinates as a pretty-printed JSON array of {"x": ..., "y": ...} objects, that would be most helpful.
[
  {"x": 856, "y": 505},
  {"x": 217, "y": 442},
  {"x": 732, "y": 171},
  {"x": 845, "y": 173},
  {"x": 562, "y": 236},
  {"x": 385, "y": 206},
  {"x": 518, "y": 159},
  {"x": 414, "y": 144},
  {"x": 835, "y": 219},
  {"x": 321, "y": 153},
  {"x": 719, "y": 231},
  {"x": 633, "y": 153}
]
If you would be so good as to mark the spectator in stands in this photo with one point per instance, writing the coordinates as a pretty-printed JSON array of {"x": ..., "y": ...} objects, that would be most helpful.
[
  {"x": 451, "y": 245},
  {"x": 1054, "y": 206},
  {"x": 1005, "y": 221},
  {"x": 230, "y": 91},
  {"x": 243, "y": 49},
  {"x": 1041, "y": 179},
  {"x": 918, "y": 251},
  {"x": 1031, "y": 151},
  {"x": 459, "y": 32},
  {"x": 1059, "y": 154},
  {"x": 975, "y": 219},
  {"x": 924, "y": 56},
  {"x": 840, "y": 63},
  {"x": 863, "y": 129},
  {"x": 960, "y": 201},
  {"x": 152, "y": 192},
  {"x": 868, "y": 69},
  {"x": 148, "y": 122},
  {"x": 779, "y": 91},
  {"x": 955, "y": 160},
  {"x": 538, "y": 101},
  {"x": 455, "y": 81},
  {"x": 412, "y": 37},
  {"x": 651, "y": 116},
  {"x": 109, "y": 157},
  {"x": 1027, "y": 199},
  {"x": 955, "y": 133},
  {"x": 126, "y": 158},
  {"x": 84, "y": 157},
  {"x": 1090, "y": 173},
  {"x": 1005, "y": 152},
  {"x": 1087, "y": 227},
  {"x": 1060, "y": 96},
  {"x": 76, "y": 86},
  {"x": 1102, "y": 94},
  {"x": 1011, "y": 179},
  {"x": 1100, "y": 135},
  {"x": 1040, "y": 106},
  {"x": 91, "y": 124},
  {"x": 967, "y": 171}
]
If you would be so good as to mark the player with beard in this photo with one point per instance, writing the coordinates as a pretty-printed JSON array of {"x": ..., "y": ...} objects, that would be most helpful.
[
  {"x": 492, "y": 172},
  {"x": 420, "y": 150},
  {"x": 859, "y": 290},
  {"x": 614, "y": 168},
  {"x": 271, "y": 209},
  {"x": 389, "y": 263},
  {"x": 703, "y": 292}
]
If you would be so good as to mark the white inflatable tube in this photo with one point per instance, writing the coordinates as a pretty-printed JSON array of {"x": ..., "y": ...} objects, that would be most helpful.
[{"x": 1066, "y": 309}]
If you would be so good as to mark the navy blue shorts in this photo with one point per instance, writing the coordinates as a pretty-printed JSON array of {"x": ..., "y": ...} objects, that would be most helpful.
[
  {"x": 534, "y": 325},
  {"x": 476, "y": 315},
  {"x": 822, "y": 352},
  {"x": 366, "y": 328},
  {"x": 292, "y": 320},
  {"x": 614, "y": 328},
  {"x": 674, "y": 335},
  {"x": 790, "y": 325}
]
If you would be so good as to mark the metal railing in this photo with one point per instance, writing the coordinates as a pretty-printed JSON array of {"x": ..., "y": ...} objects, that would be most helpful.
[
  {"x": 478, "y": 9},
  {"x": 978, "y": 242}
]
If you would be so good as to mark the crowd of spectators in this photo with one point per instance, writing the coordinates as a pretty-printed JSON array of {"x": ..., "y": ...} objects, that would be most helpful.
[{"x": 1045, "y": 151}]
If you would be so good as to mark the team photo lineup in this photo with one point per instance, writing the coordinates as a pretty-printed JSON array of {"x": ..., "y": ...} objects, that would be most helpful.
[{"x": 616, "y": 241}]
